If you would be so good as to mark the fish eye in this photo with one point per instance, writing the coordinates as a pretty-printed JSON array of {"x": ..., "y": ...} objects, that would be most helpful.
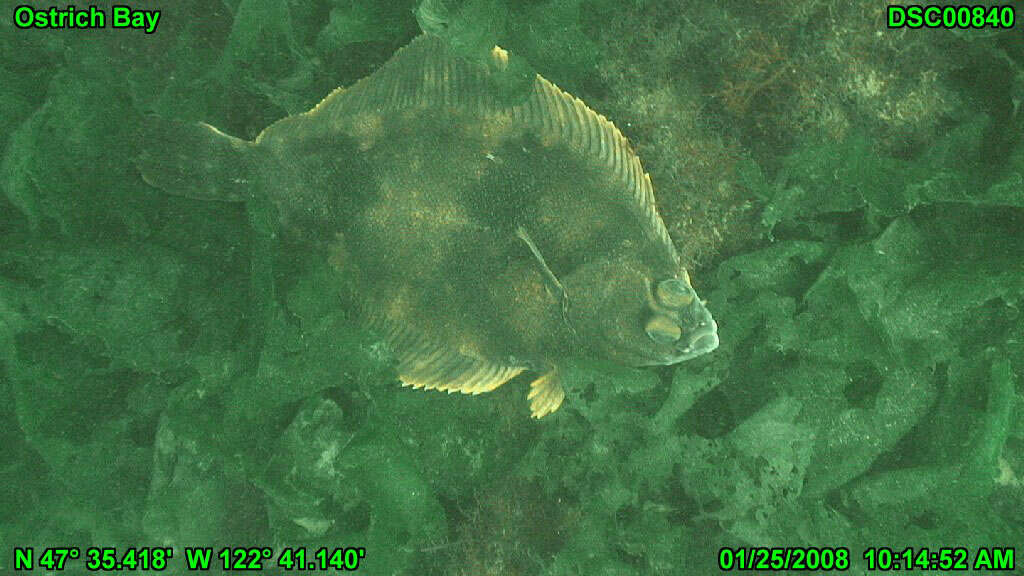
[
  {"x": 662, "y": 329},
  {"x": 674, "y": 293}
]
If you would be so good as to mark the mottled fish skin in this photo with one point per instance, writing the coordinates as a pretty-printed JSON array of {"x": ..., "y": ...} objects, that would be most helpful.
[{"x": 483, "y": 238}]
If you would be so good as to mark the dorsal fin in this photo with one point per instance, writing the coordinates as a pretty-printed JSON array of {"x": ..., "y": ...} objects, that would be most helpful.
[
  {"x": 425, "y": 74},
  {"x": 559, "y": 115}
]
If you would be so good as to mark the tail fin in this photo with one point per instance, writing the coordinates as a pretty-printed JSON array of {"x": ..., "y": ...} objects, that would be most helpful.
[{"x": 197, "y": 161}]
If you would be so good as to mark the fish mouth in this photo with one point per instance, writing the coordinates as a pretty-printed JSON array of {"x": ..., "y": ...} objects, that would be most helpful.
[
  {"x": 699, "y": 335},
  {"x": 702, "y": 340}
]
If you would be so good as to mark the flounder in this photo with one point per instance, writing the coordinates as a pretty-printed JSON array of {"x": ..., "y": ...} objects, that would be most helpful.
[{"x": 483, "y": 236}]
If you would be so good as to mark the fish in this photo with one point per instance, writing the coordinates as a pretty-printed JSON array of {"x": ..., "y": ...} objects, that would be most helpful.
[{"x": 482, "y": 235}]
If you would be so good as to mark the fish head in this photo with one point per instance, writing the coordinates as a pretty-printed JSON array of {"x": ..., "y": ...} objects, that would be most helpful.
[{"x": 621, "y": 310}]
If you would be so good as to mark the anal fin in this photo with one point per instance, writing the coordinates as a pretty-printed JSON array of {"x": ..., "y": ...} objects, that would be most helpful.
[
  {"x": 434, "y": 367},
  {"x": 425, "y": 365}
]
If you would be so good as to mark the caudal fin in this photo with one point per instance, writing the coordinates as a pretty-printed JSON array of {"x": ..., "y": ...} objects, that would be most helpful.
[{"x": 198, "y": 161}]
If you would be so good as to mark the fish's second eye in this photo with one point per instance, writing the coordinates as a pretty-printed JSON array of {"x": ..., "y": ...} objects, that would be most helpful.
[{"x": 662, "y": 329}]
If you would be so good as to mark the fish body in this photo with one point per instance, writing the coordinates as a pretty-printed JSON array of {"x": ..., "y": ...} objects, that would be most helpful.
[{"x": 483, "y": 235}]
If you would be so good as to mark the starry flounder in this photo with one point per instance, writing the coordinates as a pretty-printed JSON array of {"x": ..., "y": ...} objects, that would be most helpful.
[{"x": 483, "y": 234}]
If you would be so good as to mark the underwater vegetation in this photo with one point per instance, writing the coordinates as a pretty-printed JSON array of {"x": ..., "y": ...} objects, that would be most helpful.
[{"x": 850, "y": 201}]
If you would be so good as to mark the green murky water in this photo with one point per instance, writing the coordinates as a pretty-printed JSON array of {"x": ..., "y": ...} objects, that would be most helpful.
[{"x": 849, "y": 199}]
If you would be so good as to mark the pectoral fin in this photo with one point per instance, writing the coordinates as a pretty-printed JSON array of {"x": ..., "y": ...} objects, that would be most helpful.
[{"x": 554, "y": 285}]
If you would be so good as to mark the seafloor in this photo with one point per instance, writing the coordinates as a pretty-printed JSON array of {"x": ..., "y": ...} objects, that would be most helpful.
[{"x": 850, "y": 199}]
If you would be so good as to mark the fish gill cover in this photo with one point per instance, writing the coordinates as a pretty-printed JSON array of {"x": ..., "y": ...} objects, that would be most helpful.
[{"x": 849, "y": 198}]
